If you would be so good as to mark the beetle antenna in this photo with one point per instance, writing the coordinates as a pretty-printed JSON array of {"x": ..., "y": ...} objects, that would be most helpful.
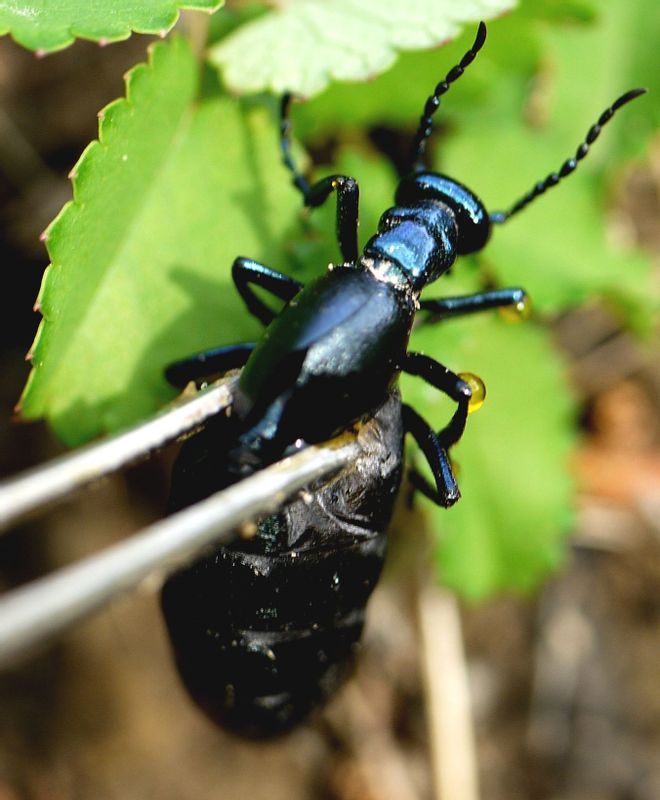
[
  {"x": 433, "y": 103},
  {"x": 570, "y": 165},
  {"x": 299, "y": 180}
]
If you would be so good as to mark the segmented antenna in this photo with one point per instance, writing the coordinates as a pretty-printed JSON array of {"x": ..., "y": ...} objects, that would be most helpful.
[
  {"x": 285, "y": 145},
  {"x": 570, "y": 164},
  {"x": 433, "y": 103}
]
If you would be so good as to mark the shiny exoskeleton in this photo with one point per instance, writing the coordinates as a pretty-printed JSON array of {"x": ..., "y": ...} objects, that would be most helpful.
[
  {"x": 267, "y": 628},
  {"x": 264, "y": 629}
]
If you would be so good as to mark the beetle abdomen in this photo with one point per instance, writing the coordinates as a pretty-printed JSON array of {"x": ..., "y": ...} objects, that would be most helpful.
[
  {"x": 260, "y": 641},
  {"x": 267, "y": 628}
]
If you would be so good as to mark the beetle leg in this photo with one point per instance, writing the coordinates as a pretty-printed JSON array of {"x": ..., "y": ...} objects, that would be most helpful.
[
  {"x": 447, "y": 492},
  {"x": 347, "y": 210},
  {"x": 448, "y": 382},
  {"x": 208, "y": 362},
  {"x": 435, "y": 445},
  {"x": 245, "y": 271},
  {"x": 315, "y": 195},
  {"x": 514, "y": 297}
]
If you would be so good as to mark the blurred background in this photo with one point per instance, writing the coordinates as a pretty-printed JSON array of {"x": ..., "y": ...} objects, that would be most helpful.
[{"x": 565, "y": 683}]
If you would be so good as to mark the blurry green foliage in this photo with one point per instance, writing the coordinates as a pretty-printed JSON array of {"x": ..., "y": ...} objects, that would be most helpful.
[
  {"x": 46, "y": 26},
  {"x": 302, "y": 46},
  {"x": 185, "y": 179}
]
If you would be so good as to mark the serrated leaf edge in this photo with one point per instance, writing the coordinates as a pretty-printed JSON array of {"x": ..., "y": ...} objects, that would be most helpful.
[
  {"x": 78, "y": 185},
  {"x": 70, "y": 36},
  {"x": 389, "y": 55}
]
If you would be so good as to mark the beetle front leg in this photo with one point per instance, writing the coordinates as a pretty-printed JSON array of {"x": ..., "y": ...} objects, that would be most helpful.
[
  {"x": 347, "y": 210},
  {"x": 245, "y": 271},
  {"x": 315, "y": 195}
]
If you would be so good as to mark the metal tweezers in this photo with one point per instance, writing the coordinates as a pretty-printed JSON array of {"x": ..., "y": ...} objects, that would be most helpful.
[{"x": 33, "y": 614}]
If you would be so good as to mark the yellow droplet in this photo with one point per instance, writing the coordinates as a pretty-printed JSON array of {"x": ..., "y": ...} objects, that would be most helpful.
[
  {"x": 517, "y": 312},
  {"x": 248, "y": 530},
  {"x": 478, "y": 390}
]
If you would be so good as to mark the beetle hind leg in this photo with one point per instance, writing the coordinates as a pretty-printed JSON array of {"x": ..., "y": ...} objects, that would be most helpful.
[{"x": 446, "y": 492}]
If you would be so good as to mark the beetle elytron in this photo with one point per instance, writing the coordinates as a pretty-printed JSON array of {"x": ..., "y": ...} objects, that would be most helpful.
[{"x": 264, "y": 629}]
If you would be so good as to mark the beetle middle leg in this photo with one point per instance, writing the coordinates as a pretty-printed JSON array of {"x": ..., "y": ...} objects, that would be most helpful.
[
  {"x": 245, "y": 271},
  {"x": 316, "y": 194},
  {"x": 208, "y": 362},
  {"x": 444, "y": 307}
]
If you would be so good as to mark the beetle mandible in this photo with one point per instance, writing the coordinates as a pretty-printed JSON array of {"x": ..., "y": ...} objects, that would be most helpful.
[{"x": 258, "y": 658}]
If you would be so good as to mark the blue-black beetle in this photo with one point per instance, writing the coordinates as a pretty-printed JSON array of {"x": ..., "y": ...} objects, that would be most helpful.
[{"x": 264, "y": 629}]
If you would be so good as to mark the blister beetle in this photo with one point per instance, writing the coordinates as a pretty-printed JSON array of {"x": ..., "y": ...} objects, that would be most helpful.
[{"x": 329, "y": 359}]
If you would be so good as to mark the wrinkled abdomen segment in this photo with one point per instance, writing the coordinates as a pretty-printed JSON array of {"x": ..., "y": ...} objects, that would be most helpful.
[
  {"x": 265, "y": 629},
  {"x": 260, "y": 640}
]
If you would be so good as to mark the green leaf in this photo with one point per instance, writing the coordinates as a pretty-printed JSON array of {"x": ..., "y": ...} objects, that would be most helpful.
[
  {"x": 304, "y": 45},
  {"x": 508, "y": 529},
  {"x": 560, "y": 10},
  {"x": 511, "y": 56},
  {"x": 174, "y": 190},
  {"x": 46, "y": 26}
]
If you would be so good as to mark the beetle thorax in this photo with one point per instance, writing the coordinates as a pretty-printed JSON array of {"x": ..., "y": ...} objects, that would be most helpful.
[{"x": 415, "y": 244}]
